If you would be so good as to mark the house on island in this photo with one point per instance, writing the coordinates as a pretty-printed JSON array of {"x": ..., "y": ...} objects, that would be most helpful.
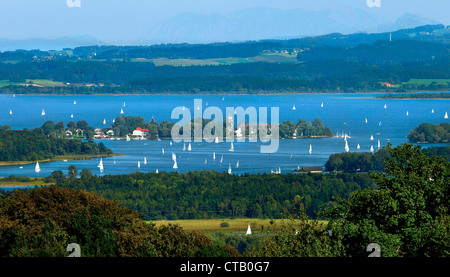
[
  {"x": 309, "y": 169},
  {"x": 139, "y": 132},
  {"x": 98, "y": 133}
]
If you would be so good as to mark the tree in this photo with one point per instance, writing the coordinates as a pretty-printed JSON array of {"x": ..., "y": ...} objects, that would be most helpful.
[
  {"x": 407, "y": 216},
  {"x": 86, "y": 173},
  {"x": 73, "y": 171}
]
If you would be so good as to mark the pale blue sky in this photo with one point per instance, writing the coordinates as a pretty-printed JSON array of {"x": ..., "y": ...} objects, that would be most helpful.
[{"x": 126, "y": 20}]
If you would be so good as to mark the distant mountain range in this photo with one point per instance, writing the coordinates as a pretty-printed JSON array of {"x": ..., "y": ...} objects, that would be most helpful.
[
  {"x": 268, "y": 23},
  {"x": 48, "y": 44},
  {"x": 245, "y": 25}
]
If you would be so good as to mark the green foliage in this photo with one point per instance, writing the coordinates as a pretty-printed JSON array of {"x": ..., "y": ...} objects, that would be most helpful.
[
  {"x": 44, "y": 221},
  {"x": 407, "y": 216},
  {"x": 430, "y": 133}
]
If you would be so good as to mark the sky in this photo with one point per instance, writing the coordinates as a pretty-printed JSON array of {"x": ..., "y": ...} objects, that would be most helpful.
[{"x": 122, "y": 21}]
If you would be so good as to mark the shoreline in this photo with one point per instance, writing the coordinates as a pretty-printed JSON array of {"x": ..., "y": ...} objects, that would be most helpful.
[{"x": 59, "y": 158}]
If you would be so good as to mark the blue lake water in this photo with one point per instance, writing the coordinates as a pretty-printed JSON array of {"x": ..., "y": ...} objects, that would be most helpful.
[{"x": 343, "y": 113}]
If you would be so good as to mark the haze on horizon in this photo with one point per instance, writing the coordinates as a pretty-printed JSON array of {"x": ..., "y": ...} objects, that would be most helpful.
[{"x": 125, "y": 22}]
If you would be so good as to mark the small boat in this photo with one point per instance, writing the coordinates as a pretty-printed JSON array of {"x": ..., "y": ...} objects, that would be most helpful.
[
  {"x": 321, "y": 105},
  {"x": 293, "y": 108},
  {"x": 371, "y": 149},
  {"x": 206, "y": 160},
  {"x": 432, "y": 111},
  {"x": 237, "y": 164},
  {"x": 174, "y": 157},
  {"x": 128, "y": 138},
  {"x": 75, "y": 102},
  {"x": 71, "y": 116},
  {"x": 249, "y": 230},
  {"x": 145, "y": 160},
  {"x": 139, "y": 164},
  {"x": 385, "y": 106},
  {"x": 346, "y": 146},
  {"x": 221, "y": 159},
  {"x": 162, "y": 151},
  {"x": 407, "y": 113},
  {"x": 189, "y": 147},
  {"x": 446, "y": 115},
  {"x": 379, "y": 144},
  {"x": 366, "y": 120},
  {"x": 184, "y": 147},
  {"x": 10, "y": 112},
  {"x": 43, "y": 112},
  {"x": 231, "y": 148},
  {"x": 310, "y": 149},
  {"x": 104, "y": 121},
  {"x": 214, "y": 156},
  {"x": 358, "y": 147},
  {"x": 229, "y": 169},
  {"x": 100, "y": 165},
  {"x": 123, "y": 104},
  {"x": 121, "y": 111},
  {"x": 216, "y": 140},
  {"x": 157, "y": 171},
  {"x": 175, "y": 165},
  {"x": 37, "y": 168},
  {"x": 371, "y": 137}
]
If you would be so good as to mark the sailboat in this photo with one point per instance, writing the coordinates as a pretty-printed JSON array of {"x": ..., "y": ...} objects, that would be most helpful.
[
  {"x": 123, "y": 103},
  {"x": 321, "y": 105},
  {"x": 174, "y": 157},
  {"x": 293, "y": 108},
  {"x": 139, "y": 164},
  {"x": 157, "y": 171},
  {"x": 237, "y": 164},
  {"x": 371, "y": 148},
  {"x": 432, "y": 111},
  {"x": 128, "y": 138},
  {"x": 206, "y": 160},
  {"x": 310, "y": 149},
  {"x": 100, "y": 165},
  {"x": 371, "y": 137},
  {"x": 114, "y": 160},
  {"x": 229, "y": 169},
  {"x": 189, "y": 147},
  {"x": 71, "y": 116},
  {"x": 170, "y": 143},
  {"x": 346, "y": 146},
  {"x": 221, "y": 159},
  {"x": 175, "y": 166},
  {"x": 385, "y": 106},
  {"x": 145, "y": 160},
  {"x": 104, "y": 121},
  {"x": 75, "y": 102},
  {"x": 216, "y": 140},
  {"x": 446, "y": 115},
  {"x": 231, "y": 148},
  {"x": 358, "y": 147},
  {"x": 162, "y": 151},
  {"x": 379, "y": 144},
  {"x": 407, "y": 113},
  {"x": 10, "y": 112},
  {"x": 214, "y": 156},
  {"x": 37, "y": 168},
  {"x": 184, "y": 147},
  {"x": 249, "y": 230},
  {"x": 43, "y": 112},
  {"x": 366, "y": 120},
  {"x": 121, "y": 111}
]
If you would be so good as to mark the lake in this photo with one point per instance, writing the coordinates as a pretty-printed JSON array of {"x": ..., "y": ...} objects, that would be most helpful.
[{"x": 343, "y": 113}]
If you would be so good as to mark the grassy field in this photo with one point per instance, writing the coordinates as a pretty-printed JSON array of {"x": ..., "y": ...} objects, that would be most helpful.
[
  {"x": 34, "y": 182},
  {"x": 426, "y": 81},
  {"x": 37, "y": 82},
  {"x": 213, "y": 226},
  {"x": 60, "y": 158}
]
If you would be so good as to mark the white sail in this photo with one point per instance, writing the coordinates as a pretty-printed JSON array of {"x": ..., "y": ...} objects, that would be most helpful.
[
  {"x": 43, "y": 112},
  {"x": 162, "y": 151},
  {"x": 379, "y": 144},
  {"x": 100, "y": 165},
  {"x": 10, "y": 112},
  {"x": 321, "y": 105},
  {"x": 114, "y": 160},
  {"x": 371, "y": 148},
  {"x": 214, "y": 156},
  {"x": 139, "y": 164},
  {"x": 128, "y": 138},
  {"x": 184, "y": 147},
  {"x": 157, "y": 171},
  {"x": 104, "y": 121},
  {"x": 231, "y": 148},
  {"x": 75, "y": 102},
  {"x": 123, "y": 103},
  {"x": 446, "y": 115},
  {"x": 170, "y": 143},
  {"x": 145, "y": 160},
  {"x": 206, "y": 160},
  {"x": 293, "y": 108},
  {"x": 366, "y": 120},
  {"x": 432, "y": 111},
  {"x": 249, "y": 230},
  {"x": 237, "y": 164},
  {"x": 385, "y": 106},
  {"x": 37, "y": 167},
  {"x": 310, "y": 149},
  {"x": 121, "y": 111},
  {"x": 174, "y": 157},
  {"x": 371, "y": 137},
  {"x": 358, "y": 147},
  {"x": 216, "y": 140},
  {"x": 229, "y": 169},
  {"x": 221, "y": 159},
  {"x": 407, "y": 113},
  {"x": 175, "y": 165},
  {"x": 346, "y": 146},
  {"x": 189, "y": 147},
  {"x": 71, "y": 116}
]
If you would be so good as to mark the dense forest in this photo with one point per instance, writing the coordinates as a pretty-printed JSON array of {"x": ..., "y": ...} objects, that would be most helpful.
[
  {"x": 26, "y": 145},
  {"x": 430, "y": 133},
  {"x": 330, "y": 63}
]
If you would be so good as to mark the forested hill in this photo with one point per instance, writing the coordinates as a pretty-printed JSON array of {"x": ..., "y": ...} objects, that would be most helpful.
[{"x": 331, "y": 63}]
